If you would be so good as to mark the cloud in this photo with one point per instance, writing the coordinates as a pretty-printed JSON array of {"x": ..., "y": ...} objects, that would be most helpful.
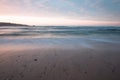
[
  {"x": 23, "y": 7},
  {"x": 7, "y": 8},
  {"x": 94, "y": 10}
]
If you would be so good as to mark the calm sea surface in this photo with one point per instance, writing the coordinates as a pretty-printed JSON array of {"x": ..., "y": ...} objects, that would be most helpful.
[
  {"x": 58, "y": 35},
  {"x": 56, "y": 31}
]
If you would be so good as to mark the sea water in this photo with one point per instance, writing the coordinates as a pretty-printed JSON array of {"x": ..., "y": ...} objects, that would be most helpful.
[
  {"x": 56, "y": 31},
  {"x": 59, "y": 35}
]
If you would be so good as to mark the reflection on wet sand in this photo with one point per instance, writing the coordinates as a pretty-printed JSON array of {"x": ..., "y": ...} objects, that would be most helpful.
[{"x": 60, "y": 62}]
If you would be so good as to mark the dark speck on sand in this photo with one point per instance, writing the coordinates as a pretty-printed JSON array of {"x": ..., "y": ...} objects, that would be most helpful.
[{"x": 35, "y": 59}]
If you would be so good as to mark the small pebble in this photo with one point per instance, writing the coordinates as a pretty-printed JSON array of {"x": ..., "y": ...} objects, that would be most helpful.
[
  {"x": 85, "y": 72},
  {"x": 113, "y": 71},
  {"x": 35, "y": 59}
]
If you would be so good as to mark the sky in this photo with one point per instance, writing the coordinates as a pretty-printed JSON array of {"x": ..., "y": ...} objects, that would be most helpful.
[{"x": 61, "y": 12}]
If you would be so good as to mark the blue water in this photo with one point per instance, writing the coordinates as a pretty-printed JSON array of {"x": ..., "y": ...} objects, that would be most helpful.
[
  {"x": 56, "y": 31},
  {"x": 64, "y": 36}
]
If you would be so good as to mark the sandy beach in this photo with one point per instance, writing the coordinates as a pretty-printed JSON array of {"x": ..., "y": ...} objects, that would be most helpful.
[
  {"x": 59, "y": 39},
  {"x": 101, "y": 61}
]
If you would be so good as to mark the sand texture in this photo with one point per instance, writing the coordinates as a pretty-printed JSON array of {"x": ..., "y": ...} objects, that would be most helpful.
[{"x": 99, "y": 63}]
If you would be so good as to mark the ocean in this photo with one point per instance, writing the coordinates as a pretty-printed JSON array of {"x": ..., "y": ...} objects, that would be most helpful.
[
  {"x": 56, "y": 31},
  {"x": 67, "y": 36}
]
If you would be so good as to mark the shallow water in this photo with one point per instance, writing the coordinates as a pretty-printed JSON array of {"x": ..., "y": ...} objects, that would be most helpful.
[{"x": 57, "y": 36}]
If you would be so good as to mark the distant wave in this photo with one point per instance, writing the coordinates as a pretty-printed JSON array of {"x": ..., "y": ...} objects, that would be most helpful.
[{"x": 56, "y": 31}]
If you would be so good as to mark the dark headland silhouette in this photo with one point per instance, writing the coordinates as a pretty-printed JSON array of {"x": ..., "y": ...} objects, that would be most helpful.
[{"x": 11, "y": 24}]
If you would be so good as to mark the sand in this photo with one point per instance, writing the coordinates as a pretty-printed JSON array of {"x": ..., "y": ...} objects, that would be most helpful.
[{"x": 101, "y": 62}]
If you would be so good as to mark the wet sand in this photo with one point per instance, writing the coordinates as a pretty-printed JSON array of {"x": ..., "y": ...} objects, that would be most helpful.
[{"x": 101, "y": 62}]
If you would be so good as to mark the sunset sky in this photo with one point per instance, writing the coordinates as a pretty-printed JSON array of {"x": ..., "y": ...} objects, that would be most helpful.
[{"x": 61, "y": 12}]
